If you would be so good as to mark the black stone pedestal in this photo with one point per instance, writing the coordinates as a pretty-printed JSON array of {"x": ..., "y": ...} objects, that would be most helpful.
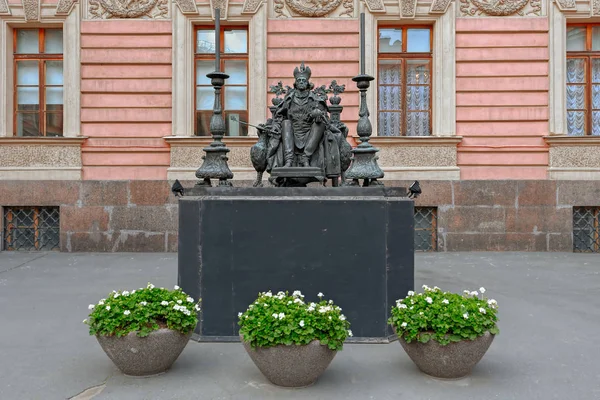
[{"x": 353, "y": 244}]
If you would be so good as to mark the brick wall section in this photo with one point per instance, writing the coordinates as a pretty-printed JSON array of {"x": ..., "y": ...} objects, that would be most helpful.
[
  {"x": 502, "y": 97},
  {"x": 109, "y": 216},
  {"x": 126, "y": 98}
]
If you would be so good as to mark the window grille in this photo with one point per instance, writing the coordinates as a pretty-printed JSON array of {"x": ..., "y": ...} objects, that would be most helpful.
[
  {"x": 425, "y": 229},
  {"x": 31, "y": 228},
  {"x": 586, "y": 229}
]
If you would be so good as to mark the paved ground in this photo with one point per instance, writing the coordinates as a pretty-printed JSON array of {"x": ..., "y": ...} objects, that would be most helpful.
[{"x": 547, "y": 349}]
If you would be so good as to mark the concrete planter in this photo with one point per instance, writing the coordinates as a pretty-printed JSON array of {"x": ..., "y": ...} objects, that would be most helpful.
[
  {"x": 453, "y": 361},
  {"x": 144, "y": 356},
  {"x": 292, "y": 366}
]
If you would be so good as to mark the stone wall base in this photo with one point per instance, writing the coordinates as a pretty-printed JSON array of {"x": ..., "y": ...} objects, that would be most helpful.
[{"x": 119, "y": 216}]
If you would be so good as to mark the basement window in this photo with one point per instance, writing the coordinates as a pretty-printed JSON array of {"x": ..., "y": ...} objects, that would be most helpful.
[
  {"x": 586, "y": 229},
  {"x": 425, "y": 229},
  {"x": 31, "y": 228}
]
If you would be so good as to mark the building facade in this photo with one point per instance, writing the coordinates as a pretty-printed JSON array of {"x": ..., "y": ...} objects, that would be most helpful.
[{"x": 494, "y": 107}]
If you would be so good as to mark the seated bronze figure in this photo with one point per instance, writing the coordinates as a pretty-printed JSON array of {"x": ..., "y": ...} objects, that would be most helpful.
[{"x": 304, "y": 141}]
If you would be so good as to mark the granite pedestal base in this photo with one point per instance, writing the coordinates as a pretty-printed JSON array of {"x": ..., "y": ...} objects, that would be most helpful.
[{"x": 353, "y": 244}]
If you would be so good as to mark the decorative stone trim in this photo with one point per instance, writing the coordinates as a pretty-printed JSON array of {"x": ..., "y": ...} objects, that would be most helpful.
[
  {"x": 564, "y": 140},
  {"x": 313, "y": 9},
  {"x": 187, "y": 7},
  {"x": 42, "y": 141},
  {"x": 375, "y": 6},
  {"x": 64, "y": 7},
  {"x": 566, "y": 5},
  {"x": 203, "y": 141},
  {"x": 31, "y": 9},
  {"x": 421, "y": 141},
  {"x": 574, "y": 157},
  {"x": 110, "y": 9},
  {"x": 4, "y": 10},
  {"x": 478, "y": 8},
  {"x": 439, "y": 6},
  {"x": 408, "y": 8},
  {"x": 223, "y": 5},
  {"x": 251, "y": 6}
]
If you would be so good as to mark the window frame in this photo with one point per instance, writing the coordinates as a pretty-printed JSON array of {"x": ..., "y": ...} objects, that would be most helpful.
[
  {"x": 223, "y": 58},
  {"x": 41, "y": 58},
  {"x": 403, "y": 56}
]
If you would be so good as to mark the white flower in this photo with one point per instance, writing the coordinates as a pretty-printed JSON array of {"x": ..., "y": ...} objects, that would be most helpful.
[
  {"x": 445, "y": 301},
  {"x": 320, "y": 294},
  {"x": 411, "y": 293},
  {"x": 176, "y": 287},
  {"x": 101, "y": 302},
  {"x": 298, "y": 301},
  {"x": 425, "y": 287},
  {"x": 302, "y": 323},
  {"x": 85, "y": 321},
  {"x": 411, "y": 307},
  {"x": 150, "y": 286},
  {"x": 144, "y": 303},
  {"x": 126, "y": 312},
  {"x": 429, "y": 300},
  {"x": 107, "y": 308},
  {"x": 164, "y": 303},
  {"x": 274, "y": 315},
  {"x": 297, "y": 293},
  {"x": 401, "y": 305},
  {"x": 342, "y": 317},
  {"x": 280, "y": 293},
  {"x": 474, "y": 293},
  {"x": 197, "y": 308},
  {"x": 116, "y": 295},
  {"x": 330, "y": 317},
  {"x": 421, "y": 313},
  {"x": 239, "y": 314},
  {"x": 403, "y": 325},
  {"x": 349, "y": 333},
  {"x": 482, "y": 290},
  {"x": 91, "y": 307},
  {"x": 176, "y": 307},
  {"x": 330, "y": 301},
  {"x": 133, "y": 291},
  {"x": 179, "y": 301},
  {"x": 482, "y": 310},
  {"x": 125, "y": 293},
  {"x": 466, "y": 315},
  {"x": 289, "y": 302},
  {"x": 466, "y": 292},
  {"x": 493, "y": 303},
  {"x": 190, "y": 300},
  {"x": 436, "y": 288},
  {"x": 265, "y": 304},
  {"x": 269, "y": 294},
  {"x": 281, "y": 315}
]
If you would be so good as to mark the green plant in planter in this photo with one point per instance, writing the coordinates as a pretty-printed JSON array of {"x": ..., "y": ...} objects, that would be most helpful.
[
  {"x": 282, "y": 319},
  {"x": 143, "y": 310},
  {"x": 443, "y": 316}
]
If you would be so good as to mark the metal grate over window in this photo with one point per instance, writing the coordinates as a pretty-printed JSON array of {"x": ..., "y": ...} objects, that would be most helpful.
[
  {"x": 31, "y": 228},
  {"x": 586, "y": 229},
  {"x": 425, "y": 229}
]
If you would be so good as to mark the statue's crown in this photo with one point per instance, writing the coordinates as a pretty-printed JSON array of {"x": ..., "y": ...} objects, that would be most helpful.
[{"x": 302, "y": 72}]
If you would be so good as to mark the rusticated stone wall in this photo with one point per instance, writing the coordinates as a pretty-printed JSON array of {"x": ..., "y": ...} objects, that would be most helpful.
[{"x": 112, "y": 216}]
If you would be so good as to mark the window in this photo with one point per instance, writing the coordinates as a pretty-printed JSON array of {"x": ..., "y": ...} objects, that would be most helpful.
[
  {"x": 586, "y": 229},
  {"x": 234, "y": 62},
  {"x": 425, "y": 229},
  {"x": 583, "y": 80},
  {"x": 38, "y": 82},
  {"x": 31, "y": 228},
  {"x": 404, "y": 81}
]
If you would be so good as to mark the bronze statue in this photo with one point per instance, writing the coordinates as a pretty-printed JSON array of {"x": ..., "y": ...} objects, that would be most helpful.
[{"x": 305, "y": 140}]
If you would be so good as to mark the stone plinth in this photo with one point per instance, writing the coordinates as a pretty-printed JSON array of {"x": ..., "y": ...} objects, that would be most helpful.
[{"x": 353, "y": 244}]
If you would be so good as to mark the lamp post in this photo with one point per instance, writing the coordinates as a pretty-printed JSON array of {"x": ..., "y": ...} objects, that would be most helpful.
[
  {"x": 215, "y": 160},
  {"x": 364, "y": 161}
]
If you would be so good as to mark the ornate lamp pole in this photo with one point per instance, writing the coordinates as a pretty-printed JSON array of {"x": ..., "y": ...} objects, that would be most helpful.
[
  {"x": 364, "y": 160},
  {"x": 215, "y": 161}
]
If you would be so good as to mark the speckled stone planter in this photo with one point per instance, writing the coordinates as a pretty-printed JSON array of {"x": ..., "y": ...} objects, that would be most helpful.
[
  {"x": 144, "y": 356},
  {"x": 453, "y": 361},
  {"x": 292, "y": 366}
]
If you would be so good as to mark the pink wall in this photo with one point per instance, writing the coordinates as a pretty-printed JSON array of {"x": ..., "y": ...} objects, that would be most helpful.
[
  {"x": 125, "y": 98},
  {"x": 328, "y": 47},
  {"x": 502, "y": 97}
]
